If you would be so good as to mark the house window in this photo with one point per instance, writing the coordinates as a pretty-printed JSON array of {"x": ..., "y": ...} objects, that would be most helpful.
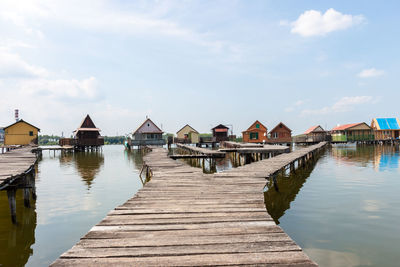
[
  {"x": 253, "y": 136},
  {"x": 258, "y": 126},
  {"x": 30, "y": 133},
  {"x": 275, "y": 135}
]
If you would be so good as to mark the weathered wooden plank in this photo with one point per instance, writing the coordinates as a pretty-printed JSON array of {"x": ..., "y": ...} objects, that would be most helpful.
[{"x": 290, "y": 258}]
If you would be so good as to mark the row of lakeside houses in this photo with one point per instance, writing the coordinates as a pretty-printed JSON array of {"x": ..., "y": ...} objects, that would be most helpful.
[
  {"x": 381, "y": 129},
  {"x": 148, "y": 133}
]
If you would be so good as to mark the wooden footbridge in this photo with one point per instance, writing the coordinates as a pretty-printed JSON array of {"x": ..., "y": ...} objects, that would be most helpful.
[
  {"x": 17, "y": 171},
  {"x": 183, "y": 217}
]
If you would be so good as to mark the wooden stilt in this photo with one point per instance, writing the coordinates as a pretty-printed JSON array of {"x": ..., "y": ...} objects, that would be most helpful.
[{"x": 12, "y": 202}]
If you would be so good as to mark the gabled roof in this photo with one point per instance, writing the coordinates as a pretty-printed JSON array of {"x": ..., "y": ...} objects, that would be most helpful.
[
  {"x": 220, "y": 126},
  {"x": 87, "y": 125},
  {"x": 283, "y": 125},
  {"x": 253, "y": 127},
  {"x": 19, "y": 122},
  {"x": 348, "y": 126},
  {"x": 314, "y": 128},
  {"x": 148, "y": 126},
  {"x": 387, "y": 123},
  {"x": 189, "y": 127}
]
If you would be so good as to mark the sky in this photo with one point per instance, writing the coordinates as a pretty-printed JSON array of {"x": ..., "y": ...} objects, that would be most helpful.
[{"x": 200, "y": 63}]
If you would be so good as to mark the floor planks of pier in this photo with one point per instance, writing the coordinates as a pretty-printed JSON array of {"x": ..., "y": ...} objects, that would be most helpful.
[
  {"x": 15, "y": 163},
  {"x": 183, "y": 217}
]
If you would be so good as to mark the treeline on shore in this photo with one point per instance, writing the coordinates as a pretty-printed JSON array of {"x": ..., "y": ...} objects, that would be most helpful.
[{"x": 48, "y": 140}]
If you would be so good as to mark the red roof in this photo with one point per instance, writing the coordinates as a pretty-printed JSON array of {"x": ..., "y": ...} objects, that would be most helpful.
[
  {"x": 311, "y": 129},
  {"x": 221, "y": 130},
  {"x": 346, "y": 126}
]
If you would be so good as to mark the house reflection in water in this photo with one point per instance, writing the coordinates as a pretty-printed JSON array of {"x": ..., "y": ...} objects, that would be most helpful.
[
  {"x": 88, "y": 164},
  {"x": 277, "y": 200},
  {"x": 16, "y": 241}
]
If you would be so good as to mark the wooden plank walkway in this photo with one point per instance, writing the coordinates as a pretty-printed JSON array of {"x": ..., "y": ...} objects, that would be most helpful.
[
  {"x": 15, "y": 164},
  {"x": 202, "y": 151},
  {"x": 183, "y": 217}
]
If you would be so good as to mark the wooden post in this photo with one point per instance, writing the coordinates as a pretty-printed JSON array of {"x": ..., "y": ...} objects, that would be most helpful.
[
  {"x": 12, "y": 202},
  {"x": 27, "y": 199}
]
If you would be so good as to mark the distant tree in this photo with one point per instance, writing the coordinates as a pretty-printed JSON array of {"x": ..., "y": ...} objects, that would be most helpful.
[
  {"x": 48, "y": 140},
  {"x": 114, "y": 140}
]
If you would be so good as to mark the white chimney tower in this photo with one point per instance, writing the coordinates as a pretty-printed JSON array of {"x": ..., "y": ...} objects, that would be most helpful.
[{"x": 17, "y": 115}]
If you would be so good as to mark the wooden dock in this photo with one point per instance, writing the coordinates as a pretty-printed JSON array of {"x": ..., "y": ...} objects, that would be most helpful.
[
  {"x": 183, "y": 217},
  {"x": 202, "y": 151},
  {"x": 17, "y": 171}
]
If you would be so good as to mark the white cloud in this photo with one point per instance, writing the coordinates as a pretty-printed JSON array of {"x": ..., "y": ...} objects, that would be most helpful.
[
  {"x": 344, "y": 104},
  {"x": 13, "y": 66},
  {"x": 104, "y": 16},
  {"x": 313, "y": 22},
  {"x": 62, "y": 89},
  {"x": 369, "y": 73}
]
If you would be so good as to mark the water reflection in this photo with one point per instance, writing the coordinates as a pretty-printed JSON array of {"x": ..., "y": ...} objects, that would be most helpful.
[
  {"x": 381, "y": 157},
  {"x": 88, "y": 164},
  {"x": 16, "y": 240},
  {"x": 277, "y": 200}
]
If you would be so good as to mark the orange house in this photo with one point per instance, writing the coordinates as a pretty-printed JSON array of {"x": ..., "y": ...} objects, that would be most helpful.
[{"x": 256, "y": 133}]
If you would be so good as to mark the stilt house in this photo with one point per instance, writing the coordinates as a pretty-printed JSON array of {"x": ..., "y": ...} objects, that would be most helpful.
[
  {"x": 256, "y": 133},
  {"x": 87, "y": 134},
  {"x": 315, "y": 134},
  {"x": 386, "y": 128},
  {"x": 352, "y": 133},
  {"x": 220, "y": 133},
  {"x": 148, "y": 134},
  {"x": 187, "y": 135},
  {"x": 280, "y": 134}
]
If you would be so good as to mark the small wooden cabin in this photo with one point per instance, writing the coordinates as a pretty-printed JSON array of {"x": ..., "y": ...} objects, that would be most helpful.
[
  {"x": 21, "y": 133},
  {"x": 148, "y": 134},
  {"x": 87, "y": 134},
  {"x": 220, "y": 133},
  {"x": 256, "y": 133},
  {"x": 386, "y": 128},
  {"x": 315, "y": 134},
  {"x": 352, "y": 133},
  {"x": 280, "y": 134},
  {"x": 187, "y": 135}
]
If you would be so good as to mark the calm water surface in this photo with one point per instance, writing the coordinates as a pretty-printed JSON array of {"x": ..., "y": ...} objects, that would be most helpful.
[
  {"x": 343, "y": 209},
  {"x": 75, "y": 191}
]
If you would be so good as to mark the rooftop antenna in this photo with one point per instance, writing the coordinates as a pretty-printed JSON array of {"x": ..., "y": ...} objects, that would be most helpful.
[{"x": 17, "y": 115}]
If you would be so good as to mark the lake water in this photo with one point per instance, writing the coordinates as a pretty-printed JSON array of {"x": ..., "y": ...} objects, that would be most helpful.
[
  {"x": 74, "y": 192},
  {"x": 343, "y": 209}
]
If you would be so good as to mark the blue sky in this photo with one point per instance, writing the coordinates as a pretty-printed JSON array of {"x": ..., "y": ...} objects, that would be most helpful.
[{"x": 198, "y": 62}]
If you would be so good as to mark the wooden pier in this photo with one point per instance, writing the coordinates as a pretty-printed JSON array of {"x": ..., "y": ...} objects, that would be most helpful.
[
  {"x": 183, "y": 217},
  {"x": 202, "y": 151},
  {"x": 17, "y": 171}
]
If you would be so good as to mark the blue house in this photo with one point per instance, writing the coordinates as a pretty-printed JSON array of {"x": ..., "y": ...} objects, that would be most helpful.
[{"x": 386, "y": 128}]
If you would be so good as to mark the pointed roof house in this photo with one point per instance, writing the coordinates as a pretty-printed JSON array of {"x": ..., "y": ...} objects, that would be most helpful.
[
  {"x": 315, "y": 129},
  {"x": 87, "y": 125},
  {"x": 88, "y": 134},
  {"x": 148, "y": 133},
  {"x": 256, "y": 133},
  {"x": 281, "y": 134},
  {"x": 148, "y": 126}
]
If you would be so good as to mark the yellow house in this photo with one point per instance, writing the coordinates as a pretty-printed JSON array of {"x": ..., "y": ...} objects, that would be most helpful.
[
  {"x": 188, "y": 133},
  {"x": 20, "y": 133}
]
